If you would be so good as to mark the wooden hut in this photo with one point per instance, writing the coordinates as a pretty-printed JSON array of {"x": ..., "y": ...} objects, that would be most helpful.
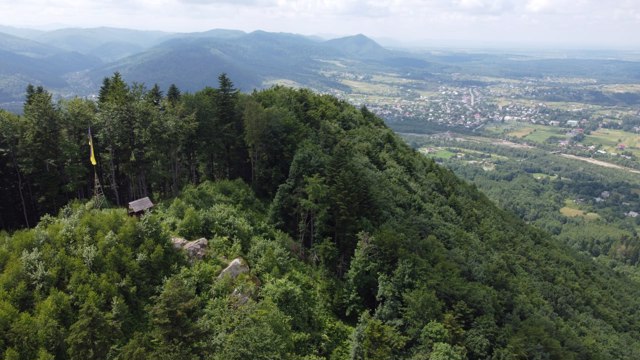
[{"x": 138, "y": 207}]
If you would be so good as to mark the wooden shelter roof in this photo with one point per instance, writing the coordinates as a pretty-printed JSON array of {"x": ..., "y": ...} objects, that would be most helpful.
[{"x": 139, "y": 205}]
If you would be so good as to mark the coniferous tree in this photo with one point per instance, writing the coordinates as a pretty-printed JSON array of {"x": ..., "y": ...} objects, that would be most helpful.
[
  {"x": 90, "y": 336},
  {"x": 104, "y": 90},
  {"x": 174, "y": 316},
  {"x": 15, "y": 204},
  {"x": 154, "y": 95},
  {"x": 77, "y": 116},
  {"x": 31, "y": 92},
  {"x": 255, "y": 125},
  {"x": 120, "y": 122},
  {"x": 204, "y": 147},
  {"x": 173, "y": 94},
  {"x": 40, "y": 154},
  {"x": 230, "y": 130}
]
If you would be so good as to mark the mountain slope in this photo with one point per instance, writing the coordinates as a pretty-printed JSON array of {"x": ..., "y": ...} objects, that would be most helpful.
[
  {"x": 359, "y": 46},
  {"x": 108, "y": 44},
  {"x": 191, "y": 64},
  {"x": 25, "y": 47},
  {"x": 17, "y": 71},
  {"x": 214, "y": 33},
  {"x": 356, "y": 246},
  {"x": 20, "y": 32},
  {"x": 251, "y": 59}
]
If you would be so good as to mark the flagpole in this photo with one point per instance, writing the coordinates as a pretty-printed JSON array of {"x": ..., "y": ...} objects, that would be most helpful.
[{"x": 98, "y": 195}]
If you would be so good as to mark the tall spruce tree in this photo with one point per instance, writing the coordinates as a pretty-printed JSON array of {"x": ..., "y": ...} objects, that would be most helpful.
[
  {"x": 40, "y": 154},
  {"x": 173, "y": 94},
  {"x": 230, "y": 130}
]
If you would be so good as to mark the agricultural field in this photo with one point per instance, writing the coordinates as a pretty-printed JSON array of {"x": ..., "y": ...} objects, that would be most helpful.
[
  {"x": 469, "y": 155},
  {"x": 541, "y": 176},
  {"x": 614, "y": 140},
  {"x": 571, "y": 209},
  {"x": 438, "y": 153},
  {"x": 373, "y": 88},
  {"x": 621, "y": 88},
  {"x": 522, "y": 132},
  {"x": 393, "y": 79},
  {"x": 543, "y": 133},
  {"x": 529, "y": 132}
]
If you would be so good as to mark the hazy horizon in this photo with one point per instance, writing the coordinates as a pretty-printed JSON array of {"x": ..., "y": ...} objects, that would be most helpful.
[{"x": 525, "y": 23}]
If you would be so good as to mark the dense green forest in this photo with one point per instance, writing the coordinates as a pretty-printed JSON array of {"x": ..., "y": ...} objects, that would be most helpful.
[
  {"x": 588, "y": 207},
  {"x": 354, "y": 245}
]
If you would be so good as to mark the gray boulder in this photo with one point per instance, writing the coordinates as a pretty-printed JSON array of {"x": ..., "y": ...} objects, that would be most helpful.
[
  {"x": 178, "y": 243},
  {"x": 239, "y": 297},
  {"x": 195, "y": 249},
  {"x": 236, "y": 267}
]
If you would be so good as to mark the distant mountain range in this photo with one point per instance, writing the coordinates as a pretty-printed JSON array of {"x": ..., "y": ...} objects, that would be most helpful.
[{"x": 73, "y": 62}]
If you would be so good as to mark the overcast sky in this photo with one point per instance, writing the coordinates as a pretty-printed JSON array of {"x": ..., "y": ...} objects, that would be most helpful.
[{"x": 577, "y": 23}]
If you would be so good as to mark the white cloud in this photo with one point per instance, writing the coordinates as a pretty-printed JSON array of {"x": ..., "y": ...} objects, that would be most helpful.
[
  {"x": 538, "y": 5},
  {"x": 485, "y": 6},
  {"x": 232, "y": 2},
  {"x": 475, "y": 20}
]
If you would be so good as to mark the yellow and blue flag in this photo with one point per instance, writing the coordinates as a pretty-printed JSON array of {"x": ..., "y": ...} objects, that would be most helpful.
[{"x": 92, "y": 156}]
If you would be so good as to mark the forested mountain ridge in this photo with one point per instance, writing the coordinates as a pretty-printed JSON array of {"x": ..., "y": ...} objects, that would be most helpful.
[
  {"x": 342, "y": 66},
  {"x": 254, "y": 60},
  {"x": 251, "y": 59},
  {"x": 358, "y": 246}
]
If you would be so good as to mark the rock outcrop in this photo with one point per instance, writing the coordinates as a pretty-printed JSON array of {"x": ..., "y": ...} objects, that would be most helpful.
[
  {"x": 195, "y": 249},
  {"x": 236, "y": 267}
]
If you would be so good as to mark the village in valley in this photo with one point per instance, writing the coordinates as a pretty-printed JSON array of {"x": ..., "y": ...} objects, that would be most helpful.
[
  {"x": 562, "y": 133},
  {"x": 555, "y": 114}
]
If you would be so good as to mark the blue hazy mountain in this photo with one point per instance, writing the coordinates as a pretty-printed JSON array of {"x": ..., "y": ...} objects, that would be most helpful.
[
  {"x": 359, "y": 46},
  {"x": 105, "y": 43},
  {"x": 20, "y": 32},
  {"x": 24, "y": 61},
  {"x": 74, "y": 61},
  {"x": 26, "y": 47},
  {"x": 79, "y": 59},
  {"x": 252, "y": 60}
]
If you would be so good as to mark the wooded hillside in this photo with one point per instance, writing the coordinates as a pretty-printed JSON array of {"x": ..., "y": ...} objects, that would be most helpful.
[{"x": 356, "y": 246}]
